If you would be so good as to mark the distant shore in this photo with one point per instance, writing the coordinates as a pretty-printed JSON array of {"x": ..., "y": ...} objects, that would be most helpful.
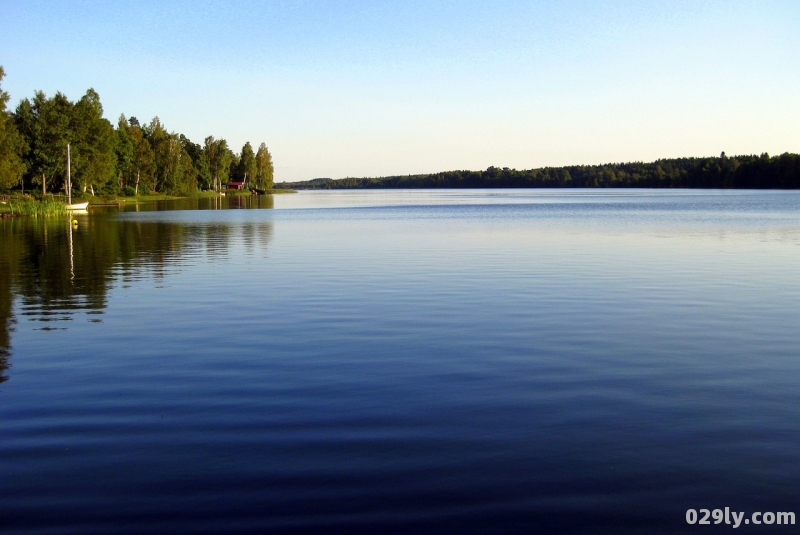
[{"x": 722, "y": 172}]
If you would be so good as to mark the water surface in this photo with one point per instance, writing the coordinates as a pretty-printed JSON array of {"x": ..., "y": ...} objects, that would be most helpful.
[{"x": 443, "y": 361}]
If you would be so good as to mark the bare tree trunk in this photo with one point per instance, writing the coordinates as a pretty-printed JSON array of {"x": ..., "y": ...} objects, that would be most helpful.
[
  {"x": 136, "y": 190},
  {"x": 43, "y": 192}
]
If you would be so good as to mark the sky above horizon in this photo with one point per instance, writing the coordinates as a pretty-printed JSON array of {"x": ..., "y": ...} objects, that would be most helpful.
[{"x": 379, "y": 88}]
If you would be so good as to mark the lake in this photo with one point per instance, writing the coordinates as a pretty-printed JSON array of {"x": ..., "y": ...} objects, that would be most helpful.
[{"x": 430, "y": 361}]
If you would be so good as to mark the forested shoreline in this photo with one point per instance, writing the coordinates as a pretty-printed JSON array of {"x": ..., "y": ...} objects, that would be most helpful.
[
  {"x": 127, "y": 159},
  {"x": 133, "y": 157},
  {"x": 744, "y": 172}
]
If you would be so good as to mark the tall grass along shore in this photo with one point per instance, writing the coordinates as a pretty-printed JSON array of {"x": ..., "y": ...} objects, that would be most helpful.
[{"x": 26, "y": 205}]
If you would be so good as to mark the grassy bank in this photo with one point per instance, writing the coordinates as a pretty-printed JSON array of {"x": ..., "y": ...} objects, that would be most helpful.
[{"x": 26, "y": 205}]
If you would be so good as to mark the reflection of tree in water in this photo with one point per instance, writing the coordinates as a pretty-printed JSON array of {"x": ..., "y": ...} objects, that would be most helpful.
[
  {"x": 205, "y": 203},
  {"x": 6, "y": 298},
  {"x": 55, "y": 272}
]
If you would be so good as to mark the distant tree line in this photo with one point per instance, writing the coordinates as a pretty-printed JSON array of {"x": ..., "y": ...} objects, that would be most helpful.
[
  {"x": 756, "y": 172},
  {"x": 130, "y": 158}
]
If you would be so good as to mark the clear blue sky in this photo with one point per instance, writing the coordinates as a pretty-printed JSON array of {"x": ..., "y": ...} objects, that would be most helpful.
[{"x": 393, "y": 87}]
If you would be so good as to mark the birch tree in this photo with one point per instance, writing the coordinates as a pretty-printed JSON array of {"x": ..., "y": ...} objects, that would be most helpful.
[{"x": 264, "y": 168}]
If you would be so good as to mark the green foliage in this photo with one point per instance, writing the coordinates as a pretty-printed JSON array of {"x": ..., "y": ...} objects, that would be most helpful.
[
  {"x": 199, "y": 161},
  {"x": 143, "y": 164},
  {"x": 93, "y": 144},
  {"x": 45, "y": 125},
  {"x": 264, "y": 168},
  {"x": 219, "y": 160},
  {"x": 124, "y": 151},
  {"x": 234, "y": 169},
  {"x": 28, "y": 206},
  {"x": 49, "y": 124},
  {"x": 247, "y": 164},
  {"x": 34, "y": 138},
  {"x": 175, "y": 173},
  {"x": 12, "y": 145}
]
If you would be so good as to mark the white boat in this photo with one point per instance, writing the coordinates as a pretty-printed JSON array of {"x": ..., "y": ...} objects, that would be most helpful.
[{"x": 78, "y": 206}]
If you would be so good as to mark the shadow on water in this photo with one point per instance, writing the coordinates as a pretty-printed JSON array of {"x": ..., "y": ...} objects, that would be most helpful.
[{"x": 51, "y": 270}]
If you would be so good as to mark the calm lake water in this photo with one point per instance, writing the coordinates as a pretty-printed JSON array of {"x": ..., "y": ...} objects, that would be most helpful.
[{"x": 462, "y": 361}]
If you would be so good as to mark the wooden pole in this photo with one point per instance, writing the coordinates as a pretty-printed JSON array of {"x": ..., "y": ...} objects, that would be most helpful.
[{"x": 69, "y": 179}]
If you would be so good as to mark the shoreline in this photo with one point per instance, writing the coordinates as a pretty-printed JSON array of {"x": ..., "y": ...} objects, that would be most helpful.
[{"x": 26, "y": 205}]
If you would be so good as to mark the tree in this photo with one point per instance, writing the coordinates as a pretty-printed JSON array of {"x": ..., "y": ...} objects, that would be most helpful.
[
  {"x": 93, "y": 144},
  {"x": 45, "y": 125},
  {"x": 247, "y": 163},
  {"x": 219, "y": 159},
  {"x": 175, "y": 173},
  {"x": 199, "y": 161},
  {"x": 135, "y": 158},
  {"x": 124, "y": 152},
  {"x": 49, "y": 124},
  {"x": 143, "y": 164},
  {"x": 234, "y": 169},
  {"x": 12, "y": 145},
  {"x": 264, "y": 168}
]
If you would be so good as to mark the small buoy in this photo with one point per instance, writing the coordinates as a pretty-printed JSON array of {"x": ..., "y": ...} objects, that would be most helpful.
[{"x": 74, "y": 222}]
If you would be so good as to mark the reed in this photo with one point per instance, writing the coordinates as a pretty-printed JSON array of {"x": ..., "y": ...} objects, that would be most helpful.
[{"x": 28, "y": 206}]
